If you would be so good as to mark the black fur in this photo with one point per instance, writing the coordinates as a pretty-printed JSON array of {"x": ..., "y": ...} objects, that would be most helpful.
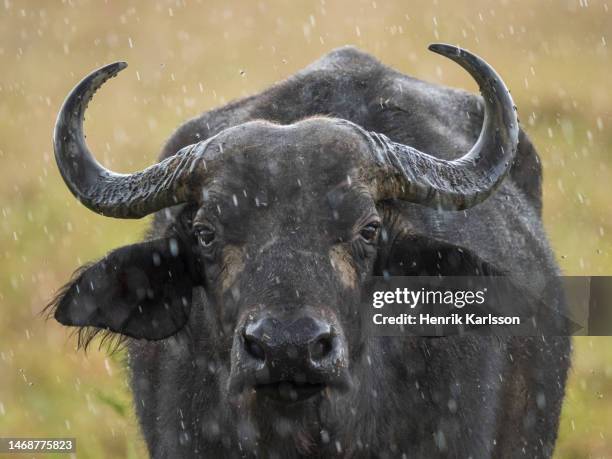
[{"x": 451, "y": 397}]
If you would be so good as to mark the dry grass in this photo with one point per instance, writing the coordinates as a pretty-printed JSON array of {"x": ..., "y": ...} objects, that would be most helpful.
[{"x": 186, "y": 57}]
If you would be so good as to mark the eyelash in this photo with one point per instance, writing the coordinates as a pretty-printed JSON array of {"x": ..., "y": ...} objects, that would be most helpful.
[
  {"x": 369, "y": 233},
  {"x": 205, "y": 236}
]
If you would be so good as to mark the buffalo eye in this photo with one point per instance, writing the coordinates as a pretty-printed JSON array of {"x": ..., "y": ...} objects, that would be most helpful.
[
  {"x": 369, "y": 232},
  {"x": 205, "y": 235}
]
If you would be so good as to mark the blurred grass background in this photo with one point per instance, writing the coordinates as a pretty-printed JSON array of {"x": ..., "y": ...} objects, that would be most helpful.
[{"x": 188, "y": 56}]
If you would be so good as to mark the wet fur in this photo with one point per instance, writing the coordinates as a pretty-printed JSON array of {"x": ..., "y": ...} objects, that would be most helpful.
[{"x": 406, "y": 384}]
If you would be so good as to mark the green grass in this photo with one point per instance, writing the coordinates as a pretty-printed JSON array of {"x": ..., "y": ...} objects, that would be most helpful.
[{"x": 185, "y": 59}]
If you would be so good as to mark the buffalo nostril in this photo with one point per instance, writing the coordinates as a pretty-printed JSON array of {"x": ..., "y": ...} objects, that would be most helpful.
[
  {"x": 321, "y": 348},
  {"x": 254, "y": 349}
]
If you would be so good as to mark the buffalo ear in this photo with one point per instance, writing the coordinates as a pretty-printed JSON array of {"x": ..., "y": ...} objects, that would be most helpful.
[
  {"x": 142, "y": 291},
  {"x": 424, "y": 256}
]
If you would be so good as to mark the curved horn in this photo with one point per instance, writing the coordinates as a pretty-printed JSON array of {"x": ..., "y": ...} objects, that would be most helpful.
[
  {"x": 101, "y": 190},
  {"x": 409, "y": 174}
]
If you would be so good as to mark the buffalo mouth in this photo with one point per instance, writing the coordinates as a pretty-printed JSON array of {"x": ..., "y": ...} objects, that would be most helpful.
[{"x": 289, "y": 391}]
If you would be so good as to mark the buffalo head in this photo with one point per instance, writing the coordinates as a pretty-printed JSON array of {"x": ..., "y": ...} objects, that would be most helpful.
[{"x": 271, "y": 231}]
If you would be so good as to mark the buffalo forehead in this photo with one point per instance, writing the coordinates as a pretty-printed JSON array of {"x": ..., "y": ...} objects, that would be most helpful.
[
  {"x": 266, "y": 163},
  {"x": 313, "y": 148}
]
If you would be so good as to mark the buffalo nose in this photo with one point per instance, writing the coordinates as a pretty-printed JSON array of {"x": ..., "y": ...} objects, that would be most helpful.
[
  {"x": 306, "y": 340},
  {"x": 289, "y": 360}
]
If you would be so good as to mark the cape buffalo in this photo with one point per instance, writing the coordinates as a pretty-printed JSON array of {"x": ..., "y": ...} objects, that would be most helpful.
[{"x": 239, "y": 310}]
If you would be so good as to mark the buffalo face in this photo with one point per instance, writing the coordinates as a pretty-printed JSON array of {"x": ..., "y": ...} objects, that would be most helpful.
[{"x": 286, "y": 240}]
